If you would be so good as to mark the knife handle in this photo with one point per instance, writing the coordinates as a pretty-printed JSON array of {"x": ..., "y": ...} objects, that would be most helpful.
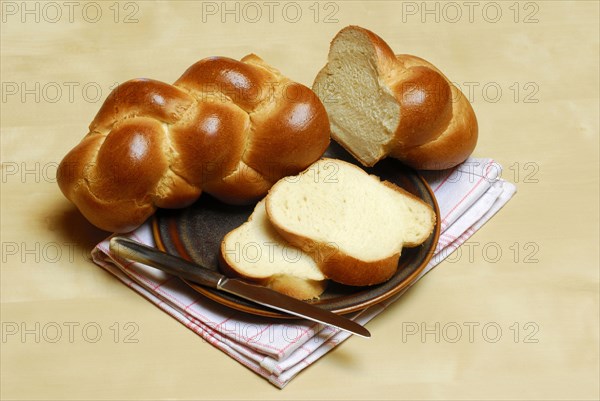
[{"x": 132, "y": 250}]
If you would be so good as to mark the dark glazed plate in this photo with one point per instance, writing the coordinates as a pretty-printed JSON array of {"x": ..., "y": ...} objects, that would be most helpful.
[{"x": 195, "y": 233}]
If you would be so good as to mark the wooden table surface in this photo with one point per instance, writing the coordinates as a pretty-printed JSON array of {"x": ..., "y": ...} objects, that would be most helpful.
[{"x": 530, "y": 70}]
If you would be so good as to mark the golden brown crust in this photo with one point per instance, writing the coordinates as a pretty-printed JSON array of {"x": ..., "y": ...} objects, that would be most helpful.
[
  {"x": 287, "y": 122},
  {"x": 437, "y": 127},
  {"x": 227, "y": 127},
  {"x": 339, "y": 266},
  {"x": 242, "y": 185},
  {"x": 455, "y": 138},
  {"x": 347, "y": 270},
  {"x": 147, "y": 97}
]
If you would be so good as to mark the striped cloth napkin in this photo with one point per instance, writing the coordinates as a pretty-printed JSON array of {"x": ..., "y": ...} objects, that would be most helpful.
[{"x": 468, "y": 196}]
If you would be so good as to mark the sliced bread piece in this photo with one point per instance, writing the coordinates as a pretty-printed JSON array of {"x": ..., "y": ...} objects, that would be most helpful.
[
  {"x": 256, "y": 252},
  {"x": 353, "y": 224}
]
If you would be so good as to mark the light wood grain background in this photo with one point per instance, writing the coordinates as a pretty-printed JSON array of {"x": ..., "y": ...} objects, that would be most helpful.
[{"x": 531, "y": 72}]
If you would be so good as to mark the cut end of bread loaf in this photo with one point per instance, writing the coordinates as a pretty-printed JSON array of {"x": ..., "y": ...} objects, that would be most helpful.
[
  {"x": 362, "y": 110},
  {"x": 381, "y": 104},
  {"x": 255, "y": 251},
  {"x": 353, "y": 224}
]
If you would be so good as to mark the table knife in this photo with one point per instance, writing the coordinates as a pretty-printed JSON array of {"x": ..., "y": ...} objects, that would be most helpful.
[{"x": 128, "y": 249}]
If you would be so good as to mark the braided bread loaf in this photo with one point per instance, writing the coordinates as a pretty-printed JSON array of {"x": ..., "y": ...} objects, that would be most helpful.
[
  {"x": 380, "y": 105},
  {"x": 229, "y": 128}
]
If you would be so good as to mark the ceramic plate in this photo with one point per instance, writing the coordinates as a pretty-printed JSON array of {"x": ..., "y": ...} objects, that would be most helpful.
[{"x": 195, "y": 233}]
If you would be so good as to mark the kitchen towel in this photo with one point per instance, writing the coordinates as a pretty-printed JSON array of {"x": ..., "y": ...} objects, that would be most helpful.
[{"x": 468, "y": 196}]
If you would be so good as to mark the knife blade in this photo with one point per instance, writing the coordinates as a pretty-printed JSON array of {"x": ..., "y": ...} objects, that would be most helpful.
[{"x": 128, "y": 249}]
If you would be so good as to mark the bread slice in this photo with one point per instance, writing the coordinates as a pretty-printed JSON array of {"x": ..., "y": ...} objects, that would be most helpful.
[
  {"x": 256, "y": 252},
  {"x": 350, "y": 222},
  {"x": 381, "y": 104}
]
